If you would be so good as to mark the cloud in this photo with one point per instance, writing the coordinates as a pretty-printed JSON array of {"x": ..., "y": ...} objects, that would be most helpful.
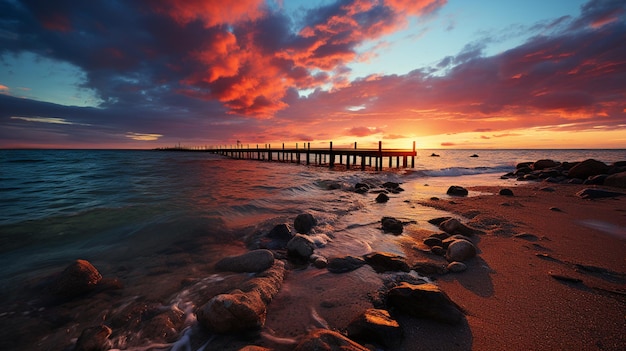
[
  {"x": 143, "y": 136},
  {"x": 44, "y": 120},
  {"x": 363, "y": 131},
  {"x": 4, "y": 89}
]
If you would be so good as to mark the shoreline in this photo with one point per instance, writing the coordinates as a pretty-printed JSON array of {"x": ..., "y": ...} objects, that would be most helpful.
[{"x": 550, "y": 274}]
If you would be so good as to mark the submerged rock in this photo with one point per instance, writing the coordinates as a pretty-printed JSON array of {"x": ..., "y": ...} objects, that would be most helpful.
[
  {"x": 252, "y": 261},
  {"x": 392, "y": 225},
  {"x": 384, "y": 261},
  {"x": 424, "y": 300},
  {"x": 328, "y": 340},
  {"x": 430, "y": 268},
  {"x": 280, "y": 232},
  {"x": 77, "y": 279},
  {"x": 344, "y": 264},
  {"x": 236, "y": 311},
  {"x": 590, "y": 193},
  {"x": 94, "y": 339}
]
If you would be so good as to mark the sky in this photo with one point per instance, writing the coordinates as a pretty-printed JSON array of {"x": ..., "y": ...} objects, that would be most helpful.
[{"x": 440, "y": 73}]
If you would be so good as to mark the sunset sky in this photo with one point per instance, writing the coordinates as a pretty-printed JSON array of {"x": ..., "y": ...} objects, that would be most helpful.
[{"x": 445, "y": 74}]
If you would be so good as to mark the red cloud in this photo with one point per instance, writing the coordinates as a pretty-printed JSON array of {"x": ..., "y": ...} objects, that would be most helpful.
[
  {"x": 211, "y": 12},
  {"x": 251, "y": 64}
]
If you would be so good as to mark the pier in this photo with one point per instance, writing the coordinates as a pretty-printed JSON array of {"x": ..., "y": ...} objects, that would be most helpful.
[{"x": 331, "y": 157}]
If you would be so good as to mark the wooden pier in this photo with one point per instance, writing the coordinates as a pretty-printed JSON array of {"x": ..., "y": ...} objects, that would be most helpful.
[{"x": 348, "y": 157}]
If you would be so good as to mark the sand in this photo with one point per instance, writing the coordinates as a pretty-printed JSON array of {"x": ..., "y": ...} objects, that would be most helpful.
[{"x": 509, "y": 292}]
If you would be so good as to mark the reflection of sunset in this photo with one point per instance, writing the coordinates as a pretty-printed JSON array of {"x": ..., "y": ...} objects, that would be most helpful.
[{"x": 443, "y": 74}]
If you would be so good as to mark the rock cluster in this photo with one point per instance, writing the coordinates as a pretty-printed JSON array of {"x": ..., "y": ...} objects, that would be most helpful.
[{"x": 589, "y": 171}]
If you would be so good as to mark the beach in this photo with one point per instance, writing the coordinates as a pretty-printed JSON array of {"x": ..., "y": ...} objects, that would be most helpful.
[{"x": 548, "y": 271}]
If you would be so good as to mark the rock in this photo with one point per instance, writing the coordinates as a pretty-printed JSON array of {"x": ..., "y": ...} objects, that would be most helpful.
[
  {"x": 526, "y": 236},
  {"x": 474, "y": 155},
  {"x": 430, "y": 268},
  {"x": 163, "y": 327},
  {"x": 506, "y": 192},
  {"x": 253, "y": 261},
  {"x": 555, "y": 209},
  {"x": 233, "y": 312},
  {"x": 548, "y": 189},
  {"x": 382, "y": 198},
  {"x": 564, "y": 278},
  {"x": 454, "y": 226},
  {"x": 344, "y": 264},
  {"x": 94, "y": 339},
  {"x": 617, "y": 180},
  {"x": 300, "y": 246},
  {"x": 543, "y": 164},
  {"x": 438, "y": 220},
  {"x": 596, "y": 180},
  {"x": 432, "y": 241},
  {"x": 327, "y": 340},
  {"x": 319, "y": 261},
  {"x": 391, "y": 185},
  {"x": 384, "y": 261},
  {"x": 424, "y": 300},
  {"x": 590, "y": 193},
  {"x": 267, "y": 283},
  {"x": 304, "y": 222},
  {"x": 460, "y": 250},
  {"x": 77, "y": 279},
  {"x": 455, "y": 190},
  {"x": 361, "y": 188},
  {"x": 446, "y": 242},
  {"x": 280, "y": 232},
  {"x": 438, "y": 250},
  {"x": 254, "y": 348},
  {"x": 377, "y": 326},
  {"x": 392, "y": 225},
  {"x": 588, "y": 168},
  {"x": 456, "y": 267}
]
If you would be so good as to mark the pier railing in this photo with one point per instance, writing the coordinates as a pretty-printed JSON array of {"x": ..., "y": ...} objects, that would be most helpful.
[{"x": 347, "y": 157}]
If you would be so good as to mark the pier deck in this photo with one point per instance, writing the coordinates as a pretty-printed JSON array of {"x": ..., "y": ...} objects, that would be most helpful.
[{"x": 348, "y": 157}]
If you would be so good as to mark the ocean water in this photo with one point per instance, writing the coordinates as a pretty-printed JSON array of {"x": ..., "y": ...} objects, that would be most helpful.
[{"x": 152, "y": 218}]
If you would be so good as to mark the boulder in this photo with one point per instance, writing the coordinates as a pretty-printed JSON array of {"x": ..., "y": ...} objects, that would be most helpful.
[
  {"x": 233, "y": 312},
  {"x": 588, "y": 168},
  {"x": 93, "y": 339},
  {"x": 327, "y": 340},
  {"x": 361, "y": 188},
  {"x": 460, "y": 250},
  {"x": 252, "y": 261},
  {"x": 384, "y": 261},
  {"x": 300, "y": 246},
  {"x": 455, "y": 190},
  {"x": 438, "y": 220},
  {"x": 438, "y": 250},
  {"x": 304, "y": 222},
  {"x": 424, "y": 300},
  {"x": 382, "y": 198},
  {"x": 375, "y": 326},
  {"x": 543, "y": 164},
  {"x": 617, "y": 180},
  {"x": 77, "y": 279},
  {"x": 454, "y": 226},
  {"x": 392, "y": 225},
  {"x": 344, "y": 264}
]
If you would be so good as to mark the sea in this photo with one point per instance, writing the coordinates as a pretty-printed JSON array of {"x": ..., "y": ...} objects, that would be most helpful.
[{"x": 151, "y": 218}]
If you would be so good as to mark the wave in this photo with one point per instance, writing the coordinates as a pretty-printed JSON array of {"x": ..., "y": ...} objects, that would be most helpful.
[{"x": 463, "y": 171}]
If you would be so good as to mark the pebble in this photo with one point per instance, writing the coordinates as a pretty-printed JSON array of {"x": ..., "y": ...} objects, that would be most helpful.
[{"x": 457, "y": 267}]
